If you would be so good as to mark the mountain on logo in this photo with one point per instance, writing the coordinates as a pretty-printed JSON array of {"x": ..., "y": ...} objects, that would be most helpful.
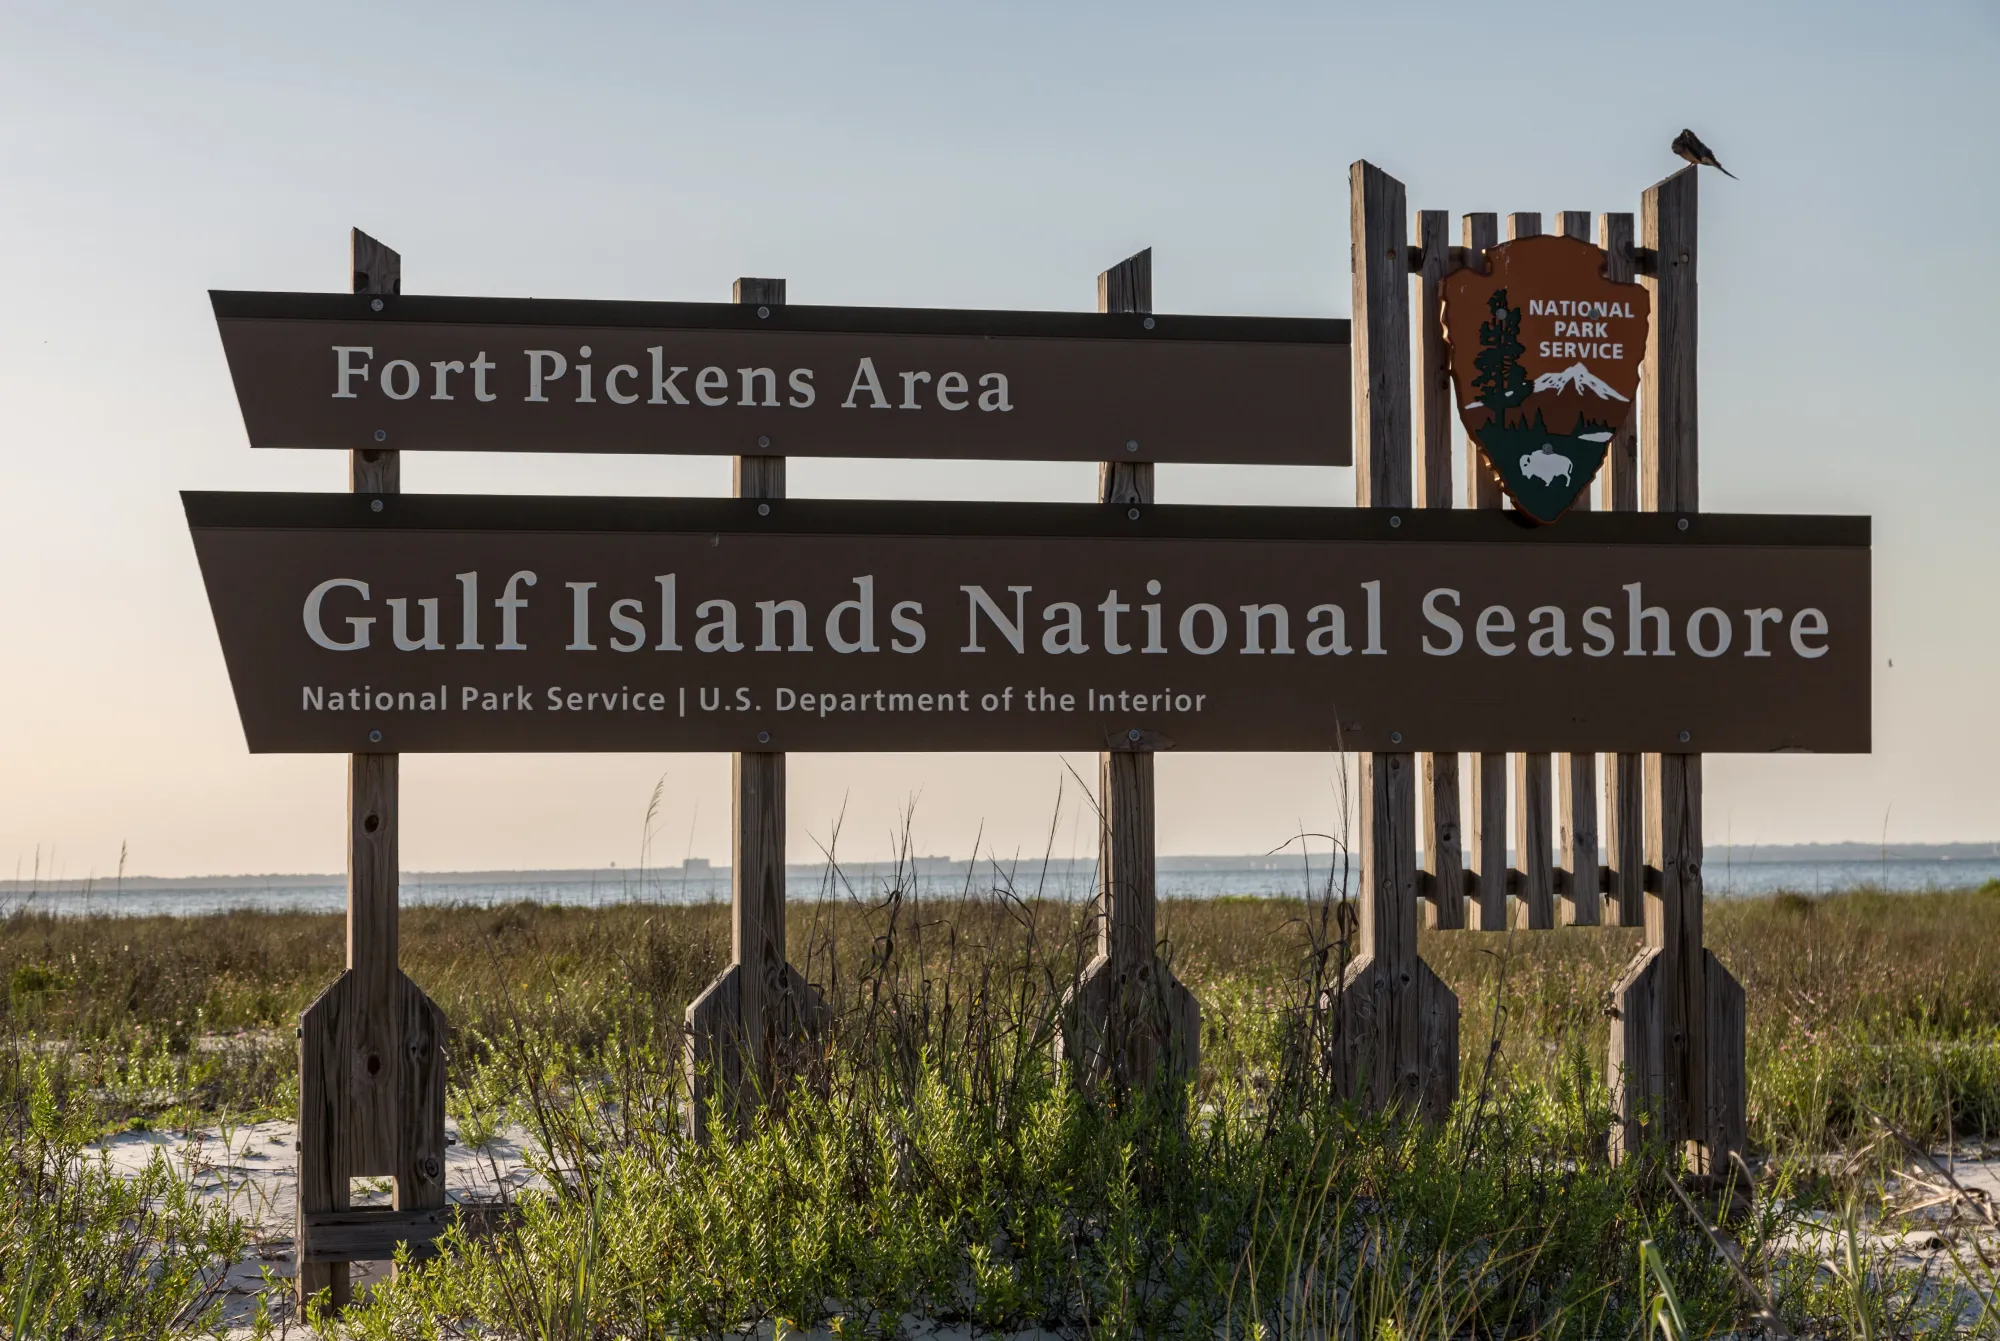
[{"x": 1576, "y": 378}]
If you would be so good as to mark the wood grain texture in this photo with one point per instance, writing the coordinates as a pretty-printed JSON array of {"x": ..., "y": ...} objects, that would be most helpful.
[
  {"x": 1482, "y": 486},
  {"x": 375, "y": 266},
  {"x": 758, "y": 1026},
  {"x": 1636, "y": 1067},
  {"x": 1674, "y": 927},
  {"x": 764, "y": 292},
  {"x": 1126, "y": 287},
  {"x": 1127, "y": 930},
  {"x": 1620, "y": 478},
  {"x": 1388, "y": 1014},
  {"x": 1486, "y": 787},
  {"x": 1444, "y": 852},
  {"x": 1576, "y": 814},
  {"x": 1727, "y": 1127},
  {"x": 372, "y": 1234},
  {"x": 1432, "y": 375},
  {"x": 1669, "y": 443},
  {"x": 1534, "y": 842},
  {"x": 377, "y": 269},
  {"x": 372, "y": 1046},
  {"x": 1127, "y": 1020},
  {"x": 1524, "y": 223},
  {"x": 372, "y": 871},
  {"x": 1625, "y": 836},
  {"x": 1624, "y": 774},
  {"x": 1576, "y": 224},
  {"x": 1381, "y": 338},
  {"x": 1394, "y": 1023},
  {"x": 758, "y": 476},
  {"x": 371, "y": 1105},
  {"x": 1486, "y": 808},
  {"x": 1443, "y": 857}
]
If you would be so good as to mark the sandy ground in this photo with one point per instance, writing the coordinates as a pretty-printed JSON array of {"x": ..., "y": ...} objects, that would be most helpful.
[{"x": 250, "y": 1170}]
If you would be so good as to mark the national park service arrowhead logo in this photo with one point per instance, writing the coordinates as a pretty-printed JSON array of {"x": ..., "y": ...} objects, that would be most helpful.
[{"x": 1545, "y": 355}]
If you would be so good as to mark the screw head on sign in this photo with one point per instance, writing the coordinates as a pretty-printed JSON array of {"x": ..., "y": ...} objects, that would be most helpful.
[
  {"x": 374, "y": 505},
  {"x": 1395, "y": 522},
  {"x": 1149, "y": 323},
  {"x": 1133, "y": 734},
  {"x": 381, "y": 435},
  {"x": 763, "y": 737},
  {"x": 763, "y": 312},
  {"x": 375, "y": 305},
  {"x": 763, "y": 441},
  {"x": 1686, "y": 736},
  {"x": 375, "y": 736},
  {"x": 1132, "y": 514},
  {"x": 1395, "y": 738},
  {"x": 1131, "y": 444},
  {"x": 763, "y": 509},
  {"x": 1682, "y": 523}
]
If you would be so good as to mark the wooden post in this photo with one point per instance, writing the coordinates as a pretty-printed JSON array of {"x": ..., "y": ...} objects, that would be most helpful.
[
  {"x": 1486, "y": 787},
  {"x": 1395, "y": 1036},
  {"x": 371, "y": 1047},
  {"x": 1534, "y": 801},
  {"x": 1576, "y": 811},
  {"x": 1127, "y": 1008},
  {"x": 1444, "y": 858},
  {"x": 1676, "y": 1002},
  {"x": 748, "y": 1030},
  {"x": 1534, "y": 842},
  {"x": 1624, "y": 774},
  {"x": 1576, "y": 774}
]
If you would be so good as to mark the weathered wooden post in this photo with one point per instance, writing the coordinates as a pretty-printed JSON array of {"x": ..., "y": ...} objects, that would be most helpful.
[
  {"x": 371, "y": 1047},
  {"x": 1444, "y": 878},
  {"x": 1395, "y": 1023},
  {"x": 1486, "y": 791},
  {"x": 1676, "y": 1056},
  {"x": 746, "y": 1031},
  {"x": 1624, "y": 774},
  {"x": 1128, "y": 1012},
  {"x": 1535, "y": 906},
  {"x": 1576, "y": 774}
]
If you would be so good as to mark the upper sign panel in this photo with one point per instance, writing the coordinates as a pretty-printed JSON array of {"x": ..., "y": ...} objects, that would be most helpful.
[{"x": 478, "y": 374}]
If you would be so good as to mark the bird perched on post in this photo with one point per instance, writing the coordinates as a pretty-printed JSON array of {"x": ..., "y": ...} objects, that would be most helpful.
[{"x": 1689, "y": 146}]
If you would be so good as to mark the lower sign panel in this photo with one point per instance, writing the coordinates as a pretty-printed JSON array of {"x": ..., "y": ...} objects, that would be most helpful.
[{"x": 508, "y": 624}]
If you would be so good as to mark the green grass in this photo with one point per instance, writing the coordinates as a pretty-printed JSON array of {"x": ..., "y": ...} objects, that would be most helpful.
[{"x": 942, "y": 1165}]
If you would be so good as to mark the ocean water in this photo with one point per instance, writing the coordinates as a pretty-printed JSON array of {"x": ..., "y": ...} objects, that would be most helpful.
[{"x": 1177, "y": 878}]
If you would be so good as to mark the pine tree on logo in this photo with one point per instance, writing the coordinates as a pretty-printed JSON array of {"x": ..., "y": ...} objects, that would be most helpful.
[{"x": 1501, "y": 381}]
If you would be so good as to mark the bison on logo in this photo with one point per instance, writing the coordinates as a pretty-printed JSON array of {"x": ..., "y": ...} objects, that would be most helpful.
[{"x": 1545, "y": 355}]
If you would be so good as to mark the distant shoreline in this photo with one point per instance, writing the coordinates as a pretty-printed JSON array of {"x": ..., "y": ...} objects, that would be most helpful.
[{"x": 936, "y": 867}]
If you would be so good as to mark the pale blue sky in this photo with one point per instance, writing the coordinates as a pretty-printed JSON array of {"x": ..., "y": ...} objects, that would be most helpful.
[{"x": 940, "y": 155}]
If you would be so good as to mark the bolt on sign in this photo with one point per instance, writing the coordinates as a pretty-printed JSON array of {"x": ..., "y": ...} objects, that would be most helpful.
[
  {"x": 452, "y": 623},
  {"x": 1545, "y": 356},
  {"x": 363, "y": 372}
]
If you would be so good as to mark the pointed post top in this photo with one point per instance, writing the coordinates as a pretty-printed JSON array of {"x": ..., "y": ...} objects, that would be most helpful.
[
  {"x": 1127, "y": 286},
  {"x": 376, "y": 268},
  {"x": 769, "y": 292}
]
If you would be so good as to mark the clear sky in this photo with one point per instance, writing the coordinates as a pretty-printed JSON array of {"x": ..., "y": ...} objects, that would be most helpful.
[{"x": 940, "y": 155}]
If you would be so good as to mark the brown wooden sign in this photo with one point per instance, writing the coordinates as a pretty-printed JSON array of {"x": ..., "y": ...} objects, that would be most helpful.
[
  {"x": 472, "y": 374},
  {"x": 511, "y": 624},
  {"x": 1545, "y": 356}
]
